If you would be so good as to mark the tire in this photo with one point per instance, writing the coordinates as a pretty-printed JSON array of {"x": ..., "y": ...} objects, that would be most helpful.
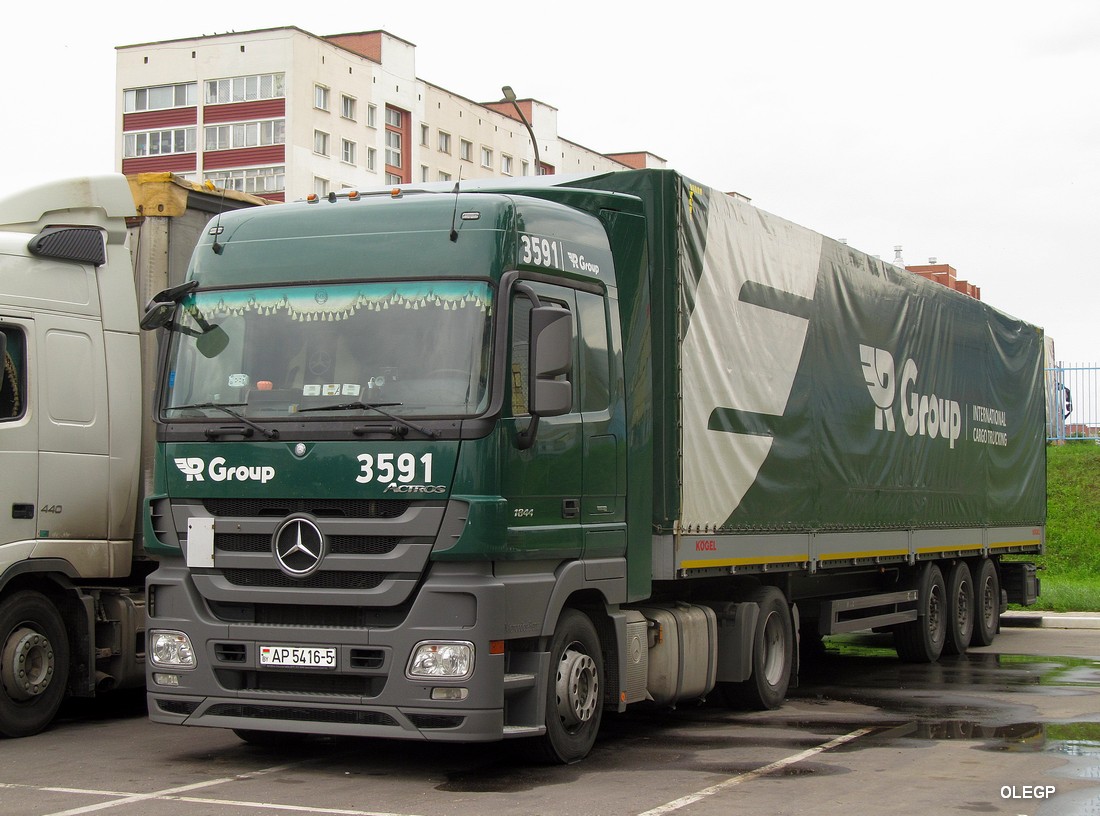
[
  {"x": 34, "y": 663},
  {"x": 987, "y": 604},
  {"x": 574, "y": 690},
  {"x": 772, "y": 655},
  {"x": 960, "y": 609},
  {"x": 921, "y": 640}
]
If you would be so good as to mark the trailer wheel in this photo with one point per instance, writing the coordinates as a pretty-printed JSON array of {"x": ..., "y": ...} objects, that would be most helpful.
[
  {"x": 772, "y": 655},
  {"x": 574, "y": 690},
  {"x": 960, "y": 609},
  {"x": 988, "y": 604},
  {"x": 34, "y": 663},
  {"x": 921, "y": 640}
]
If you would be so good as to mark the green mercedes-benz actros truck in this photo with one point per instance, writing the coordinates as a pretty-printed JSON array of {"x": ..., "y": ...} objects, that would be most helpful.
[{"x": 487, "y": 462}]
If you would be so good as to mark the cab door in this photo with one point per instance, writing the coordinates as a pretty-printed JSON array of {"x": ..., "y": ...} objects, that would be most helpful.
[
  {"x": 73, "y": 464},
  {"x": 18, "y": 434},
  {"x": 542, "y": 484},
  {"x": 600, "y": 400}
]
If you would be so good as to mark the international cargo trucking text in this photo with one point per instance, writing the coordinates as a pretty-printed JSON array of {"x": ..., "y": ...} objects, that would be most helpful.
[{"x": 487, "y": 462}]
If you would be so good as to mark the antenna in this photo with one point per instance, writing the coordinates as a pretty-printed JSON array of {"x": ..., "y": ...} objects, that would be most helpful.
[
  {"x": 217, "y": 230},
  {"x": 454, "y": 213}
]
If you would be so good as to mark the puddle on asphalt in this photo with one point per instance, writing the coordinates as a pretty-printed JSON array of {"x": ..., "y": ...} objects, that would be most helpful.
[{"x": 915, "y": 704}]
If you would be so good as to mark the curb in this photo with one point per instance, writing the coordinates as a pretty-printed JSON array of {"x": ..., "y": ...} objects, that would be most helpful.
[{"x": 1051, "y": 620}]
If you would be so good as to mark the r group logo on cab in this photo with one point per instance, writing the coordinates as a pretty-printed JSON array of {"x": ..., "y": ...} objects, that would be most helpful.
[{"x": 193, "y": 468}]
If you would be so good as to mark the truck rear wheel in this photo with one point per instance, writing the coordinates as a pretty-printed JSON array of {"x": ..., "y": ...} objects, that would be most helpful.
[
  {"x": 772, "y": 655},
  {"x": 960, "y": 609},
  {"x": 987, "y": 595},
  {"x": 574, "y": 690},
  {"x": 921, "y": 640},
  {"x": 34, "y": 663}
]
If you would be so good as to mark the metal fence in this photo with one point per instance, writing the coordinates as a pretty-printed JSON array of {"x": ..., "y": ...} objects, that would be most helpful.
[{"x": 1073, "y": 403}]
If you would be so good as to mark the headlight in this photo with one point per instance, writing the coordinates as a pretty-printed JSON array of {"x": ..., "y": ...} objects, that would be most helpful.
[
  {"x": 453, "y": 660},
  {"x": 171, "y": 649}
]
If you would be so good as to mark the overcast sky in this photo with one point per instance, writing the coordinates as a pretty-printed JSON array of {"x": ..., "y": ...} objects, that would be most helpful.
[{"x": 968, "y": 130}]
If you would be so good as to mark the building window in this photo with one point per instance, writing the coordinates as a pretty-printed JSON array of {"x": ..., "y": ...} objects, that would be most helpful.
[
  {"x": 425, "y": 173},
  {"x": 425, "y": 135},
  {"x": 320, "y": 97},
  {"x": 394, "y": 117},
  {"x": 244, "y": 134},
  {"x": 466, "y": 150},
  {"x": 392, "y": 178},
  {"x": 159, "y": 142},
  {"x": 393, "y": 148},
  {"x": 255, "y": 180},
  {"x": 372, "y": 116},
  {"x": 161, "y": 97},
  {"x": 444, "y": 176},
  {"x": 347, "y": 151},
  {"x": 320, "y": 186},
  {"x": 445, "y": 143},
  {"x": 506, "y": 164},
  {"x": 487, "y": 158},
  {"x": 244, "y": 89},
  {"x": 347, "y": 107},
  {"x": 524, "y": 168},
  {"x": 320, "y": 142},
  {"x": 372, "y": 159}
]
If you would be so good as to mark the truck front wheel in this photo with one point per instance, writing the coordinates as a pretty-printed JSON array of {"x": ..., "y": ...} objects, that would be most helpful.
[
  {"x": 574, "y": 694},
  {"x": 34, "y": 663}
]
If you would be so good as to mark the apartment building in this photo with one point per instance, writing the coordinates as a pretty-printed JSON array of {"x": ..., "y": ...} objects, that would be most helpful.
[{"x": 282, "y": 113}]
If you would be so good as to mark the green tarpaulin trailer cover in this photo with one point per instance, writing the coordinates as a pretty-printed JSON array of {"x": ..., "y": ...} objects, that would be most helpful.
[{"x": 806, "y": 386}]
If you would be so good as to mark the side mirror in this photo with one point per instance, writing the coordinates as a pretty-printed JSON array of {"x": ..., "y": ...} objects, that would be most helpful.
[
  {"x": 550, "y": 356},
  {"x": 212, "y": 342}
]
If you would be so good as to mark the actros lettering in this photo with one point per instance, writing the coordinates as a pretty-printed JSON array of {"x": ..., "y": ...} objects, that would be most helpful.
[{"x": 921, "y": 414}]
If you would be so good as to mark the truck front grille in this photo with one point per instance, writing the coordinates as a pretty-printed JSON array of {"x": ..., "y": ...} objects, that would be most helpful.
[
  {"x": 319, "y": 507},
  {"x": 319, "y": 580},
  {"x": 338, "y": 544}
]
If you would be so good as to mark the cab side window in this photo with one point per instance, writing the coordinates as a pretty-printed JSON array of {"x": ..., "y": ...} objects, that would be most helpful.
[
  {"x": 519, "y": 362},
  {"x": 595, "y": 357},
  {"x": 13, "y": 386}
]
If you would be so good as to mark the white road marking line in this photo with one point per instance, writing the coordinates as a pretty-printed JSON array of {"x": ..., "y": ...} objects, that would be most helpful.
[
  {"x": 684, "y": 801},
  {"x": 130, "y": 799},
  {"x": 272, "y": 806},
  {"x": 119, "y": 798}
]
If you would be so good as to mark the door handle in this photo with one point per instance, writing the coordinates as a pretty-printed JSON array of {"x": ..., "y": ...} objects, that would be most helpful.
[{"x": 570, "y": 508}]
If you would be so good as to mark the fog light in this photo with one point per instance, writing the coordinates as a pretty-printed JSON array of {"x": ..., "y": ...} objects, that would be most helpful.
[
  {"x": 450, "y": 693},
  {"x": 171, "y": 649},
  {"x": 446, "y": 659},
  {"x": 162, "y": 679}
]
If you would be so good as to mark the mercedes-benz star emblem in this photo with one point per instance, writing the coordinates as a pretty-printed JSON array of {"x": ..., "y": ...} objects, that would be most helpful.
[{"x": 299, "y": 546}]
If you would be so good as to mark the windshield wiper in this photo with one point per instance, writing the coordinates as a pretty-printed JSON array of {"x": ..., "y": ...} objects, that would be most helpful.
[
  {"x": 269, "y": 433},
  {"x": 374, "y": 406}
]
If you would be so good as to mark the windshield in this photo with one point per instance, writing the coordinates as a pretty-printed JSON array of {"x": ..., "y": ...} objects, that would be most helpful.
[{"x": 419, "y": 348}]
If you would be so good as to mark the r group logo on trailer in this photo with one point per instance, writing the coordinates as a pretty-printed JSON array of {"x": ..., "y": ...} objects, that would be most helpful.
[{"x": 921, "y": 414}]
